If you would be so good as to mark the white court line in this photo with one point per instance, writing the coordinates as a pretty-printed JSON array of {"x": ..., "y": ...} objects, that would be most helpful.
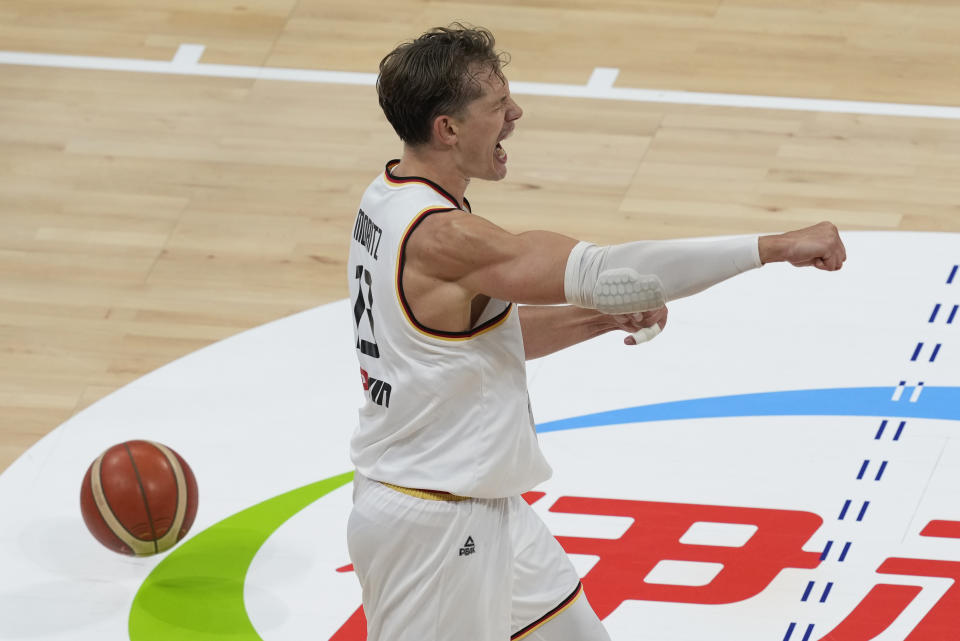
[
  {"x": 600, "y": 86},
  {"x": 916, "y": 392},
  {"x": 603, "y": 78},
  {"x": 898, "y": 392},
  {"x": 188, "y": 55}
]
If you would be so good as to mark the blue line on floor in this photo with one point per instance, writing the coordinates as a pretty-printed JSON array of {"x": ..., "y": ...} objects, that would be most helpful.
[{"x": 938, "y": 402}]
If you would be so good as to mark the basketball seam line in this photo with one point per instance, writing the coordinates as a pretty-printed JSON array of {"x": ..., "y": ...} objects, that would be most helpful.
[
  {"x": 106, "y": 504},
  {"x": 143, "y": 495},
  {"x": 172, "y": 536}
]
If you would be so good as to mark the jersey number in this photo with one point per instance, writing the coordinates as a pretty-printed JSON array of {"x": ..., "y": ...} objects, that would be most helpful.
[
  {"x": 364, "y": 306},
  {"x": 379, "y": 390}
]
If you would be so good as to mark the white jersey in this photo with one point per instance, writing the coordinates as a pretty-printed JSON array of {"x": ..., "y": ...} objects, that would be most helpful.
[{"x": 445, "y": 411}]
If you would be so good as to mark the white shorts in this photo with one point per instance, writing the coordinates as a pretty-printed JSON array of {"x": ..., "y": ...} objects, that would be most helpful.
[{"x": 434, "y": 569}]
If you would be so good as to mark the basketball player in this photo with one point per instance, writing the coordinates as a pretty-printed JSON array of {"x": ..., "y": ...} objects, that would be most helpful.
[{"x": 443, "y": 544}]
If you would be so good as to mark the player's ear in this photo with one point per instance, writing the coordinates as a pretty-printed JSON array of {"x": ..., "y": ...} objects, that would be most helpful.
[{"x": 445, "y": 130}]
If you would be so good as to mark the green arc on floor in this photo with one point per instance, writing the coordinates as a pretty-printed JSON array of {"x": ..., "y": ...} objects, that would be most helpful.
[{"x": 196, "y": 592}]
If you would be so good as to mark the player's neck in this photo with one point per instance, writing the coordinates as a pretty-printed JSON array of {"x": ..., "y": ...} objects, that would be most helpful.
[{"x": 434, "y": 166}]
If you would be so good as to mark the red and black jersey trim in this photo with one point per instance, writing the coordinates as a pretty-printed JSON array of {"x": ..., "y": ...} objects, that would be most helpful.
[
  {"x": 401, "y": 262},
  {"x": 399, "y": 180},
  {"x": 519, "y": 634}
]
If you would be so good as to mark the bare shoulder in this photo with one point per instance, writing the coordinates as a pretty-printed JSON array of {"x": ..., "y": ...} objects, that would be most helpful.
[
  {"x": 482, "y": 258},
  {"x": 449, "y": 244},
  {"x": 455, "y": 226}
]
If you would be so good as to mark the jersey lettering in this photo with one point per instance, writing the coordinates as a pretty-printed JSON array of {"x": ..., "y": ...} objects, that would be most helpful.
[
  {"x": 368, "y": 234},
  {"x": 380, "y": 392}
]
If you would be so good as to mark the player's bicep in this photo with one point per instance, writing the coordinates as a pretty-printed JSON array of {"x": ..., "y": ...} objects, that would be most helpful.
[
  {"x": 483, "y": 258},
  {"x": 523, "y": 268}
]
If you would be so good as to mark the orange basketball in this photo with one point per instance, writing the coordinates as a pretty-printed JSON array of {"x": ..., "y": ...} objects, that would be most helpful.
[{"x": 139, "y": 498}]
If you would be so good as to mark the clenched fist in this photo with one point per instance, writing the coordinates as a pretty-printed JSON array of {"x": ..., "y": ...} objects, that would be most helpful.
[{"x": 818, "y": 246}]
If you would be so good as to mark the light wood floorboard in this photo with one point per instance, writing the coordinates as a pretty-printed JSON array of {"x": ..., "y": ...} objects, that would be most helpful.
[{"x": 143, "y": 216}]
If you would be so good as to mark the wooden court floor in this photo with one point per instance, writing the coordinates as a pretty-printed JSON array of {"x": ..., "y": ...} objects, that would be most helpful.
[{"x": 143, "y": 216}]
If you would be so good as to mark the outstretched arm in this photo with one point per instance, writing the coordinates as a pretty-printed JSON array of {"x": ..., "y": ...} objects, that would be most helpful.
[{"x": 541, "y": 267}]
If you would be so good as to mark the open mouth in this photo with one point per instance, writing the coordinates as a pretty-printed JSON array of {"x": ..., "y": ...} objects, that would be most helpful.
[{"x": 499, "y": 152}]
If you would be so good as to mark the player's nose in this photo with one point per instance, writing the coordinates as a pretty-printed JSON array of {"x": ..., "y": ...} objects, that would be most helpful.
[{"x": 513, "y": 110}]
